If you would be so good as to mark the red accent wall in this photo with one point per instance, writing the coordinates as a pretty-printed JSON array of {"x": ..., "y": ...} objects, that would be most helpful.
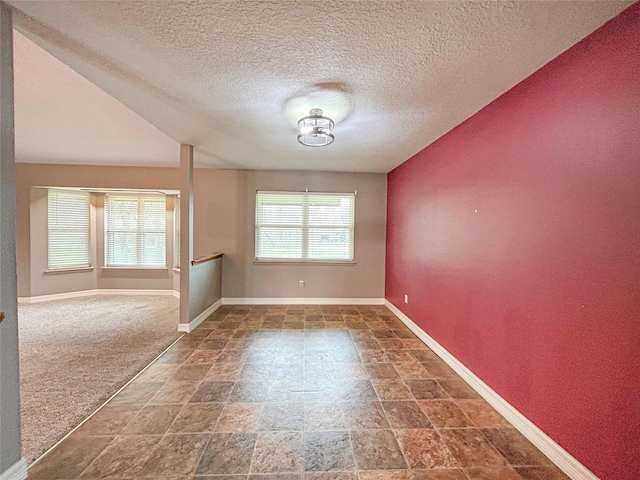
[{"x": 517, "y": 238}]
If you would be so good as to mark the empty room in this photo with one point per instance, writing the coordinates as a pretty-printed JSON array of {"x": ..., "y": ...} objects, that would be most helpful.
[{"x": 293, "y": 240}]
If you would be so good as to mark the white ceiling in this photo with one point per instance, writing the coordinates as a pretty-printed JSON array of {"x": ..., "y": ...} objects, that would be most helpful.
[
  {"x": 232, "y": 77},
  {"x": 61, "y": 117}
]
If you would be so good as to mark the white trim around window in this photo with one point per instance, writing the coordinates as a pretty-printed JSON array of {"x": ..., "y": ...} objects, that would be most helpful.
[
  {"x": 308, "y": 227},
  {"x": 68, "y": 230},
  {"x": 135, "y": 231}
]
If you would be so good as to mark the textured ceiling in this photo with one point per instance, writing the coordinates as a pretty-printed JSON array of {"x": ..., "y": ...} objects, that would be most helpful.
[{"x": 232, "y": 77}]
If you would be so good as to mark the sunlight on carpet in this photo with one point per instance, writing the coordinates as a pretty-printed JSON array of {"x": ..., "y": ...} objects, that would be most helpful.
[{"x": 76, "y": 353}]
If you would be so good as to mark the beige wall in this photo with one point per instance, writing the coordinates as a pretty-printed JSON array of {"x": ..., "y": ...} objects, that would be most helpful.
[
  {"x": 47, "y": 283},
  {"x": 133, "y": 278},
  {"x": 43, "y": 283},
  {"x": 32, "y": 234},
  {"x": 224, "y": 215},
  {"x": 205, "y": 286}
]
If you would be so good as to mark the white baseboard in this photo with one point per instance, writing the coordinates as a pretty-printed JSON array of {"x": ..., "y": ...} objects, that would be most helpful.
[
  {"x": 57, "y": 296},
  {"x": 91, "y": 293},
  {"x": 17, "y": 471},
  {"x": 127, "y": 291},
  {"x": 302, "y": 301},
  {"x": 558, "y": 455},
  {"x": 188, "y": 328}
]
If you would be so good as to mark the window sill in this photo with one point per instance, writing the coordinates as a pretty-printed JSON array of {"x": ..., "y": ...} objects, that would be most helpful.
[
  {"x": 176, "y": 269},
  {"x": 133, "y": 267},
  {"x": 306, "y": 263},
  {"x": 68, "y": 270}
]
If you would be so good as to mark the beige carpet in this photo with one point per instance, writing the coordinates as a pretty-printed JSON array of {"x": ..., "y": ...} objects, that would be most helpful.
[{"x": 75, "y": 354}]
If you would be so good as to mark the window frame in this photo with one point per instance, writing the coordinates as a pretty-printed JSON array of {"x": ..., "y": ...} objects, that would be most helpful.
[
  {"x": 139, "y": 231},
  {"x": 176, "y": 232},
  {"x": 305, "y": 227},
  {"x": 86, "y": 230}
]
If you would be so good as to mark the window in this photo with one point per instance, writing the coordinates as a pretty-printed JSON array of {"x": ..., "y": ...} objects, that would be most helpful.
[
  {"x": 135, "y": 230},
  {"x": 304, "y": 226},
  {"x": 68, "y": 224}
]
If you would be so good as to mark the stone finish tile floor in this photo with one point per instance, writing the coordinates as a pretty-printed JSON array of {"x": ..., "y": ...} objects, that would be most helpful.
[{"x": 297, "y": 393}]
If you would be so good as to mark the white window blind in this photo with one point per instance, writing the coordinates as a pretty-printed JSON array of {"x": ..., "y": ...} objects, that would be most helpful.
[
  {"x": 68, "y": 225},
  {"x": 135, "y": 230},
  {"x": 304, "y": 226},
  {"x": 176, "y": 222}
]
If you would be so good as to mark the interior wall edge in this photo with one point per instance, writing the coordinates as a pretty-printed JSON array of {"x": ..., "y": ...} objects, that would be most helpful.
[{"x": 193, "y": 324}]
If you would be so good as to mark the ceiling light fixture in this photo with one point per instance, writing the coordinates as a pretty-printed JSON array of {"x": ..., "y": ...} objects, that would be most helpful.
[{"x": 315, "y": 129}]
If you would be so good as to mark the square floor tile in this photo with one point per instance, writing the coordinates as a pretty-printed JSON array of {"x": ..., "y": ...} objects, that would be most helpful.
[
  {"x": 481, "y": 413},
  {"x": 424, "y": 449},
  {"x": 405, "y": 414},
  {"x": 212, "y": 391},
  {"x": 515, "y": 447},
  {"x": 227, "y": 453},
  {"x": 382, "y": 370},
  {"x": 122, "y": 458},
  {"x": 109, "y": 420},
  {"x": 197, "y": 418},
  {"x": 330, "y": 476},
  {"x": 326, "y": 451},
  {"x": 444, "y": 414},
  {"x": 152, "y": 420},
  {"x": 471, "y": 449},
  {"x": 356, "y": 391},
  {"x": 364, "y": 415},
  {"x": 440, "y": 474},
  {"x": 323, "y": 416},
  {"x": 282, "y": 416},
  {"x": 376, "y": 450},
  {"x": 69, "y": 458},
  {"x": 191, "y": 372},
  {"x": 492, "y": 473},
  {"x": 174, "y": 392},
  {"x": 458, "y": 388},
  {"x": 541, "y": 473},
  {"x": 426, "y": 389},
  {"x": 174, "y": 456},
  {"x": 247, "y": 391},
  {"x": 392, "y": 389},
  {"x": 136, "y": 393},
  {"x": 239, "y": 417},
  {"x": 278, "y": 452}
]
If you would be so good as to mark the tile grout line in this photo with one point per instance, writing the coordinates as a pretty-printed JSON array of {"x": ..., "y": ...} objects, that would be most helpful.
[
  {"x": 353, "y": 450},
  {"x": 210, "y": 439},
  {"x": 255, "y": 445},
  {"x": 148, "y": 403},
  {"x": 37, "y": 460},
  {"x": 309, "y": 347}
]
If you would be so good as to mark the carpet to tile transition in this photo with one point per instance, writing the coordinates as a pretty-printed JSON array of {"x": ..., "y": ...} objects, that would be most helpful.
[{"x": 76, "y": 353}]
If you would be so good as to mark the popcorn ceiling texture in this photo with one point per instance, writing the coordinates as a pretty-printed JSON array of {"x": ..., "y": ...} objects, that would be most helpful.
[{"x": 222, "y": 75}]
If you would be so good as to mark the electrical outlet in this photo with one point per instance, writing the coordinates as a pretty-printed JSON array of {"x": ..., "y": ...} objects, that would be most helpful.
[
  {"x": 406, "y": 298},
  {"x": 301, "y": 283}
]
